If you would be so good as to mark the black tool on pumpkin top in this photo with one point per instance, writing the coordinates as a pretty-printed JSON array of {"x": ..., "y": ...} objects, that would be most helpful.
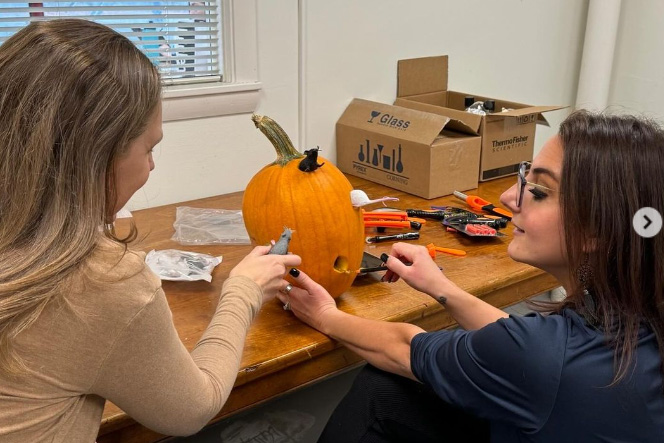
[{"x": 310, "y": 162}]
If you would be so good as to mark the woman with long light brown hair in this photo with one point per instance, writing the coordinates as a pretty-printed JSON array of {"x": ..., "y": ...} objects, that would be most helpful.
[
  {"x": 589, "y": 370},
  {"x": 82, "y": 318}
]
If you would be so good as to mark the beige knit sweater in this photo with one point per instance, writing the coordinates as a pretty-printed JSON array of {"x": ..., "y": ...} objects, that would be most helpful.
[{"x": 112, "y": 337}]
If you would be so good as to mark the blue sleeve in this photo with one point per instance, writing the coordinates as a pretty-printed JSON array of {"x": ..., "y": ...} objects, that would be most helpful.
[{"x": 508, "y": 371}]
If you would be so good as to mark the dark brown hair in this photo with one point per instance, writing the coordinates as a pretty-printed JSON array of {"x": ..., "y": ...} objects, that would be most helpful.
[
  {"x": 612, "y": 167},
  {"x": 73, "y": 95}
]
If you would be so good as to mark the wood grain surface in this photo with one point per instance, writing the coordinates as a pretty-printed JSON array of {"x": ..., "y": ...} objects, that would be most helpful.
[{"x": 283, "y": 354}]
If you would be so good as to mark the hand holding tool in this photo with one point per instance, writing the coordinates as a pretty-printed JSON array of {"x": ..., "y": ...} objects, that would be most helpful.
[
  {"x": 480, "y": 204},
  {"x": 281, "y": 246}
]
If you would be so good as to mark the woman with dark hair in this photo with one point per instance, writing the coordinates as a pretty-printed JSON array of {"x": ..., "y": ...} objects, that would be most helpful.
[
  {"x": 82, "y": 318},
  {"x": 588, "y": 369}
]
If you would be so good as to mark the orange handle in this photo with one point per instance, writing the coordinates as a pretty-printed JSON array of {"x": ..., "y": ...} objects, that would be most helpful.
[
  {"x": 457, "y": 252},
  {"x": 476, "y": 203},
  {"x": 385, "y": 215},
  {"x": 433, "y": 249},
  {"x": 386, "y": 224},
  {"x": 480, "y": 204},
  {"x": 391, "y": 216}
]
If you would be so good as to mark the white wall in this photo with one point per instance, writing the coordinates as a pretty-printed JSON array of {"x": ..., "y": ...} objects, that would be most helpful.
[
  {"x": 637, "y": 82},
  {"x": 526, "y": 51}
]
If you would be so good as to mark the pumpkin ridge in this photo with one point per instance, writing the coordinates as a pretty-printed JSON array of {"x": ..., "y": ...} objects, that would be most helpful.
[
  {"x": 320, "y": 227},
  {"x": 349, "y": 218}
]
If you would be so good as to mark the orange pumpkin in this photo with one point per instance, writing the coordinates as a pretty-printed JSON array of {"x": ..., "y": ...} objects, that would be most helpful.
[{"x": 312, "y": 197}]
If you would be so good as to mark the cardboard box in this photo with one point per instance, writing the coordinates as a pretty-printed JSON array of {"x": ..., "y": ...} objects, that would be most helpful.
[
  {"x": 425, "y": 154},
  {"x": 508, "y": 138}
]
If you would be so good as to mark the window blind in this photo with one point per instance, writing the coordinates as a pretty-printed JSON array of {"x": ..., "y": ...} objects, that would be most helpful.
[{"x": 182, "y": 38}]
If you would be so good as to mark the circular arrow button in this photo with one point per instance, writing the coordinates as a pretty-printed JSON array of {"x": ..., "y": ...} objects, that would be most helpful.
[{"x": 647, "y": 222}]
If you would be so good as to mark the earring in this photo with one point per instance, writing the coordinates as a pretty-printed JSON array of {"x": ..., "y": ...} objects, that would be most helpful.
[{"x": 585, "y": 275}]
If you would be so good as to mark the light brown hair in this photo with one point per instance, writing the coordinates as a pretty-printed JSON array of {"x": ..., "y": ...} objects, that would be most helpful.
[
  {"x": 73, "y": 95},
  {"x": 612, "y": 167}
]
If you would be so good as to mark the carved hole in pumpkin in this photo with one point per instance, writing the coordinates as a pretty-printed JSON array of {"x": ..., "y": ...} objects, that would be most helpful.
[{"x": 341, "y": 264}]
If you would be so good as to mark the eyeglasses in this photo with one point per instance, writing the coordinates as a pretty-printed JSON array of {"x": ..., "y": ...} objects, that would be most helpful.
[{"x": 521, "y": 182}]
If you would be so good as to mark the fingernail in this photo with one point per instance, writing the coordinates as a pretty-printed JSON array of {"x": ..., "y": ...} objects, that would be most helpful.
[
  {"x": 294, "y": 272},
  {"x": 384, "y": 257}
]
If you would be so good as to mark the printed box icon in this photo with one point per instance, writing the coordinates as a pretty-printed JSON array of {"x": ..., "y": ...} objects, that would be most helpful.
[{"x": 424, "y": 154}]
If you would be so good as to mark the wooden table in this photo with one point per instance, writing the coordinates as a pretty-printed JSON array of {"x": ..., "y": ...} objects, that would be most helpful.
[{"x": 283, "y": 354}]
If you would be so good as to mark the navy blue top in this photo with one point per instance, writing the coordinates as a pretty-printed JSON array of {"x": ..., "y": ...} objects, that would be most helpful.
[{"x": 545, "y": 379}]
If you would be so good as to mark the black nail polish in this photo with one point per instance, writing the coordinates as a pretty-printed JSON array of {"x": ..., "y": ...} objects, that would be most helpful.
[
  {"x": 294, "y": 272},
  {"x": 384, "y": 257}
]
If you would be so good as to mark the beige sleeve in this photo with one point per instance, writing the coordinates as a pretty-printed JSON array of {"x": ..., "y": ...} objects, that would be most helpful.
[{"x": 150, "y": 375}]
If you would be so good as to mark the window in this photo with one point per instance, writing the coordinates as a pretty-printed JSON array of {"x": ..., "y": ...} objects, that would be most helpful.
[
  {"x": 194, "y": 44},
  {"x": 182, "y": 38}
]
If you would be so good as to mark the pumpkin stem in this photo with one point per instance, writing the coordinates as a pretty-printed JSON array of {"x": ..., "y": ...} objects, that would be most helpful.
[
  {"x": 278, "y": 137},
  {"x": 310, "y": 162}
]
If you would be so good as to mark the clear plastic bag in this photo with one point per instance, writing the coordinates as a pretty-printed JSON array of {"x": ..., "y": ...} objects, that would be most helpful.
[
  {"x": 198, "y": 226},
  {"x": 173, "y": 264},
  {"x": 477, "y": 108}
]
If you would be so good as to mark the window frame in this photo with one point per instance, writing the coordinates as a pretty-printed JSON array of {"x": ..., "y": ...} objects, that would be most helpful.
[{"x": 239, "y": 91}]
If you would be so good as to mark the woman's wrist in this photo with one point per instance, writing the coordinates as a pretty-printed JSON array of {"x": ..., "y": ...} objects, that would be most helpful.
[
  {"x": 326, "y": 320},
  {"x": 444, "y": 291}
]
